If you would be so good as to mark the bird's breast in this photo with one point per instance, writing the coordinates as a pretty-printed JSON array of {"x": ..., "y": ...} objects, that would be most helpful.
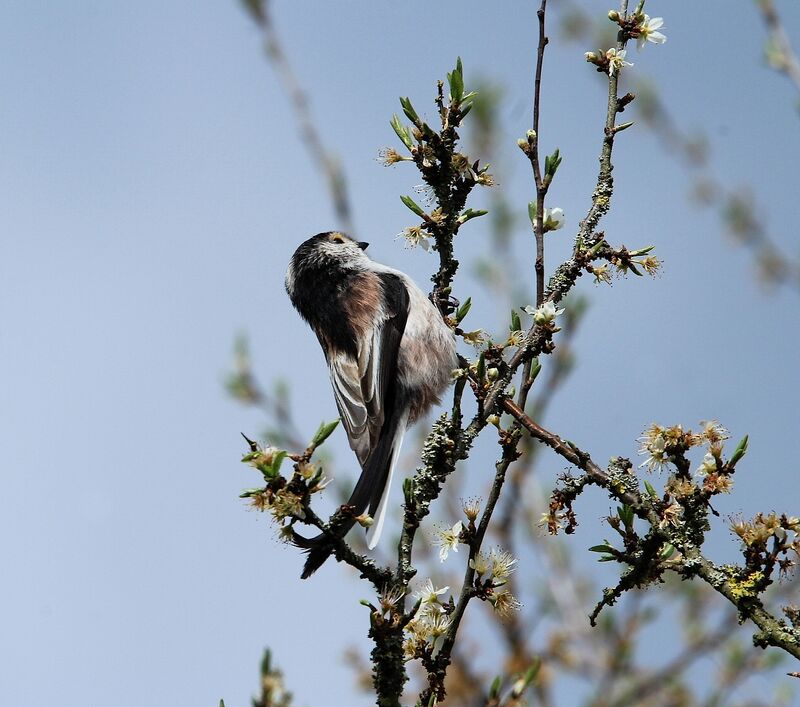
[{"x": 427, "y": 353}]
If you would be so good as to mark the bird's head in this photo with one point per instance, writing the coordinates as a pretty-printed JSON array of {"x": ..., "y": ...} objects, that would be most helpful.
[{"x": 330, "y": 250}]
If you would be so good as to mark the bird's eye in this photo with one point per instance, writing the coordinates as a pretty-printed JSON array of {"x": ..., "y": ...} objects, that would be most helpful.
[{"x": 337, "y": 238}]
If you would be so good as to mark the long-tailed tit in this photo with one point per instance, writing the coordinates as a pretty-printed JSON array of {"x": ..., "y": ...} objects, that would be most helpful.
[{"x": 390, "y": 356}]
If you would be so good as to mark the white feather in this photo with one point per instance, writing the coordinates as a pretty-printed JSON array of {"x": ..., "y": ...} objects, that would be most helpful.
[{"x": 375, "y": 530}]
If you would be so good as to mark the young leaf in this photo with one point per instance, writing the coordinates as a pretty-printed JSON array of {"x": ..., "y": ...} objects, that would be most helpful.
[
  {"x": 411, "y": 204},
  {"x": 325, "y": 430},
  {"x": 741, "y": 450},
  {"x": 601, "y": 548},
  {"x": 532, "y": 211},
  {"x": 666, "y": 552},
  {"x": 401, "y": 131},
  {"x": 516, "y": 325},
  {"x": 408, "y": 109},
  {"x": 271, "y": 471},
  {"x": 463, "y": 310},
  {"x": 455, "y": 79},
  {"x": 494, "y": 690},
  {"x": 625, "y": 513},
  {"x": 471, "y": 214},
  {"x": 481, "y": 369}
]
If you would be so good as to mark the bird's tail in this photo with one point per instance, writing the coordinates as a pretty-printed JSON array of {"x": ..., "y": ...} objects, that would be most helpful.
[
  {"x": 319, "y": 549},
  {"x": 371, "y": 490}
]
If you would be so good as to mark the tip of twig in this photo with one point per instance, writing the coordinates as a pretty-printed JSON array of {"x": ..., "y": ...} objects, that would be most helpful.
[{"x": 253, "y": 445}]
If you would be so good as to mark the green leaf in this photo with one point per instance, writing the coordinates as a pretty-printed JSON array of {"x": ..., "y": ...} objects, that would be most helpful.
[
  {"x": 249, "y": 493},
  {"x": 650, "y": 489},
  {"x": 741, "y": 450},
  {"x": 532, "y": 211},
  {"x": 401, "y": 131},
  {"x": 471, "y": 214},
  {"x": 408, "y": 109},
  {"x": 666, "y": 552},
  {"x": 552, "y": 163},
  {"x": 527, "y": 678},
  {"x": 516, "y": 325},
  {"x": 494, "y": 690},
  {"x": 271, "y": 471},
  {"x": 601, "y": 548},
  {"x": 455, "y": 79},
  {"x": 625, "y": 513},
  {"x": 463, "y": 310},
  {"x": 325, "y": 430},
  {"x": 481, "y": 368},
  {"x": 596, "y": 247},
  {"x": 536, "y": 368},
  {"x": 411, "y": 204}
]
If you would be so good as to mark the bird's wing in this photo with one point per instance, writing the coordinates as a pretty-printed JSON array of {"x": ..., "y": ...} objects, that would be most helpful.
[{"x": 362, "y": 384}]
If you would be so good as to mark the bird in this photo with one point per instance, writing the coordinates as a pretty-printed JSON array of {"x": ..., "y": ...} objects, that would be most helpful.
[{"x": 390, "y": 356}]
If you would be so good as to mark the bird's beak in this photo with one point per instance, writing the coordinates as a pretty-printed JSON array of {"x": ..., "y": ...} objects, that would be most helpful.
[{"x": 363, "y": 245}]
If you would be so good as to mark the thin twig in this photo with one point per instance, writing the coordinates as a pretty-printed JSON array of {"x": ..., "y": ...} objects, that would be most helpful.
[
  {"x": 781, "y": 55},
  {"x": 541, "y": 187},
  {"x": 324, "y": 159}
]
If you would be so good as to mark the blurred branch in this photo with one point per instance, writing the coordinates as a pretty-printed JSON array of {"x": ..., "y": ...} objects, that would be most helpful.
[
  {"x": 261, "y": 13},
  {"x": 737, "y": 208},
  {"x": 273, "y": 691},
  {"x": 780, "y": 54}
]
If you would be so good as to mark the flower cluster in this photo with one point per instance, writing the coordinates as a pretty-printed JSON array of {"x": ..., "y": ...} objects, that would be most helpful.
[
  {"x": 636, "y": 26},
  {"x": 763, "y": 527},
  {"x": 431, "y": 621},
  {"x": 283, "y": 498},
  {"x": 661, "y": 443},
  {"x": 492, "y": 571},
  {"x": 770, "y": 541}
]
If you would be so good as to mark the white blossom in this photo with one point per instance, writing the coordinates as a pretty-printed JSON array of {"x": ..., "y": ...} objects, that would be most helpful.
[
  {"x": 655, "y": 445},
  {"x": 709, "y": 464},
  {"x": 545, "y": 313},
  {"x": 648, "y": 31},
  {"x": 502, "y": 564},
  {"x": 480, "y": 563},
  {"x": 553, "y": 219},
  {"x": 448, "y": 539},
  {"x": 415, "y": 236},
  {"x": 429, "y": 594},
  {"x": 616, "y": 60}
]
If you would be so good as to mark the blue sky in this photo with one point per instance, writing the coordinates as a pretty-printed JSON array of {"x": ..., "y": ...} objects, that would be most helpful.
[{"x": 152, "y": 189}]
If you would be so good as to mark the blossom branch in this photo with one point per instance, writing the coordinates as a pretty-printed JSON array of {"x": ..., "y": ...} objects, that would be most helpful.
[
  {"x": 437, "y": 668},
  {"x": 623, "y": 486}
]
